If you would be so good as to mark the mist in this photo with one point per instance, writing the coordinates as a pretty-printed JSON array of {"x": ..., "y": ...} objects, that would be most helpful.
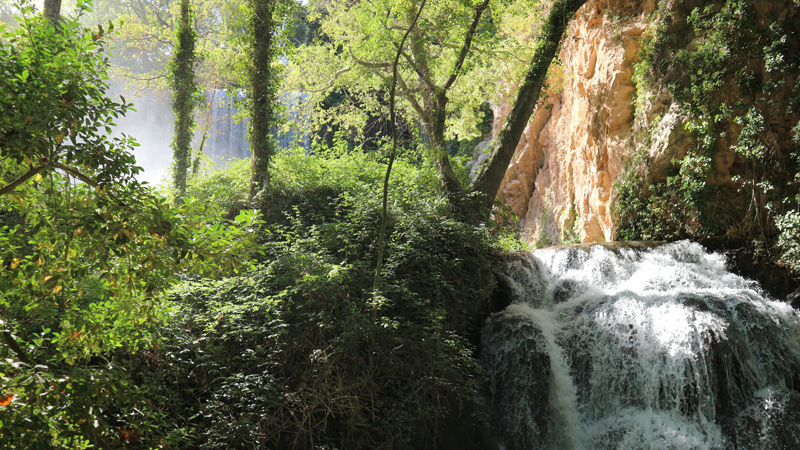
[
  {"x": 151, "y": 124},
  {"x": 152, "y": 127}
]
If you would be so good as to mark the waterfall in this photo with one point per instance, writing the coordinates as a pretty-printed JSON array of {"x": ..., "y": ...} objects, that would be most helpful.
[
  {"x": 640, "y": 348},
  {"x": 227, "y": 133},
  {"x": 227, "y": 126}
]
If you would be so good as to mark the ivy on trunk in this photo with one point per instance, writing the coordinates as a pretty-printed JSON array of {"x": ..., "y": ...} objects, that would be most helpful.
[
  {"x": 52, "y": 10},
  {"x": 184, "y": 86},
  {"x": 263, "y": 92}
]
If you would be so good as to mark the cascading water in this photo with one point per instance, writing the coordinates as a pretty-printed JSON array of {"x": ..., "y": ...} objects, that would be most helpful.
[
  {"x": 227, "y": 133},
  {"x": 640, "y": 348},
  {"x": 227, "y": 129}
]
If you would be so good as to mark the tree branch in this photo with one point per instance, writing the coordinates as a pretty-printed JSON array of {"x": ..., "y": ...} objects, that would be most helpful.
[
  {"x": 331, "y": 81},
  {"x": 152, "y": 37},
  {"x": 407, "y": 93},
  {"x": 467, "y": 44},
  {"x": 23, "y": 178},
  {"x": 375, "y": 68},
  {"x": 371, "y": 65},
  {"x": 68, "y": 170},
  {"x": 416, "y": 68},
  {"x": 88, "y": 180},
  {"x": 12, "y": 343}
]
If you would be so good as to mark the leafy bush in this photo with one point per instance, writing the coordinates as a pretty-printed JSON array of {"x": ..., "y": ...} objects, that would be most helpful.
[
  {"x": 224, "y": 186},
  {"x": 301, "y": 353}
]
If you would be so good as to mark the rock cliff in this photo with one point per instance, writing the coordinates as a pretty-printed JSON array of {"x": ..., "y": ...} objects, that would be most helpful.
[{"x": 605, "y": 106}]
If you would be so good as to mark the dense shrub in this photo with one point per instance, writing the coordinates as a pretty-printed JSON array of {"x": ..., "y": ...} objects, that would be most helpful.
[
  {"x": 224, "y": 185},
  {"x": 301, "y": 353}
]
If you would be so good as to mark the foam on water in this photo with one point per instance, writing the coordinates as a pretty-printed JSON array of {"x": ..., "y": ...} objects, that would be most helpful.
[{"x": 645, "y": 349}]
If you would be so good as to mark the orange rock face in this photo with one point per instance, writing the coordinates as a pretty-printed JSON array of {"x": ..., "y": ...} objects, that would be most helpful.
[{"x": 560, "y": 181}]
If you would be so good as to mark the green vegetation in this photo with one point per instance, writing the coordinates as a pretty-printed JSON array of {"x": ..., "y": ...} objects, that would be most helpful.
[
  {"x": 542, "y": 240},
  {"x": 441, "y": 75},
  {"x": 184, "y": 97},
  {"x": 789, "y": 223},
  {"x": 734, "y": 77},
  {"x": 570, "y": 226},
  {"x": 128, "y": 322},
  {"x": 131, "y": 320},
  {"x": 300, "y": 351},
  {"x": 86, "y": 252}
]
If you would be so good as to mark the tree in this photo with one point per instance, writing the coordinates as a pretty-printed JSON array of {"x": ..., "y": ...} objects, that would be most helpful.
[
  {"x": 431, "y": 108},
  {"x": 263, "y": 87},
  {"x": 436, "y": 60},
  {"x": 86, "y": 251},
  {"x": 503, "y": 146},
  {"x": 52, "y": 10},
  {"x": 369, "y": 35},
  {"x": 184, "y": 88}
]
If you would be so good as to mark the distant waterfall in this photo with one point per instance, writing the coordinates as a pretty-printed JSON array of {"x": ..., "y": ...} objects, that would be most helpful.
[
  {"x": 640, "y": 349},
  {"x": 227, "y": 131}
]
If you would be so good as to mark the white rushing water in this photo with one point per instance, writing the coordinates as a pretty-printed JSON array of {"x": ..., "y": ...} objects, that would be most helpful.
[
  {"x": 227, "y": 126},
  {"x": 659, "y": 348}
]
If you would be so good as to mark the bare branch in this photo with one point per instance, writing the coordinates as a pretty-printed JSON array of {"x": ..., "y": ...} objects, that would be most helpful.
[
  {"x": 152, "y": 37},
  {"x": 150, "y": 78}
]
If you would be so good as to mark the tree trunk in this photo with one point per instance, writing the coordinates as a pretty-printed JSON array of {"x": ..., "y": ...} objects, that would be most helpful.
[
  {"x": 261, "y": 143},
  {"x": 502, "y": 150},
  {"x": 184, "y": 85},
  {"x": 434, "y": 110},
  {"x": 52, "y": 10},
  {"x": 435, "y": 127}
]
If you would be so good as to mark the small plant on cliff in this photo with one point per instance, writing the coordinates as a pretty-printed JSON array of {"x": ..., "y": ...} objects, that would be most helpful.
[
  {"x": 570, "y": 226},
  {"x": 541, "y": 234},
  {"x": 789, "y": 239}
]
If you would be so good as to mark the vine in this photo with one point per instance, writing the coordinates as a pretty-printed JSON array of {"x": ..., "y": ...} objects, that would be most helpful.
[{"x": 184, "y": 97}]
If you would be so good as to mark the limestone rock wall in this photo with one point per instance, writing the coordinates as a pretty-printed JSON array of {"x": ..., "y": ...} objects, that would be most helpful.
[
  {"x": 583, "y": 138},
  {"x": 560, "y": 182}
]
